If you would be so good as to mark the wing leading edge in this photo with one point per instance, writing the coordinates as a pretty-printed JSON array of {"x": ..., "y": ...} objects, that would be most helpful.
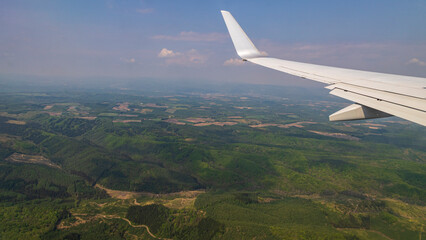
[{"x": 375, "y": 94}]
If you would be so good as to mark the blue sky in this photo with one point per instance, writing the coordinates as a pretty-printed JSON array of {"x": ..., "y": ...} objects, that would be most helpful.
[{"x": 188, "y": 39}]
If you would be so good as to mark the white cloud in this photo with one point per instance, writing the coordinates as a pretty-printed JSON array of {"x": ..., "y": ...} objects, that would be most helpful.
[
  {"x": 145, "y": 10},
  {"x": 416, "y": 61},
  {"x": 177, "y": 58},
  {"x": 166, "y": 53},
  {"x": 128, "y": 60},
  {"x": 194, "y": 37},
  {"x": 233, "y": 62}
]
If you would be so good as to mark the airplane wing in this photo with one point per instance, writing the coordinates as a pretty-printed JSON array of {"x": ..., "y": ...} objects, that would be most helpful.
[{"x": 375, "y": 94}]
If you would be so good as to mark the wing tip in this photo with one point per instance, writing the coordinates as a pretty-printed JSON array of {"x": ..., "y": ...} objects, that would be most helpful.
[{"x": 242, "y": 43}]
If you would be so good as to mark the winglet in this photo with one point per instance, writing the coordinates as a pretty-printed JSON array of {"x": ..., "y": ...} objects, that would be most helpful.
[{"x": 245, "y": 48}]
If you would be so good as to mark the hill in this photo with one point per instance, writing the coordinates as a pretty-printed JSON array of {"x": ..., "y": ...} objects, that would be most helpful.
[{"x": 264, "y": 167}]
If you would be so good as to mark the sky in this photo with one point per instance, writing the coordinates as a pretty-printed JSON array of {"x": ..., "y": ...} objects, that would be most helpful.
[{"x": 172, "y": 40}]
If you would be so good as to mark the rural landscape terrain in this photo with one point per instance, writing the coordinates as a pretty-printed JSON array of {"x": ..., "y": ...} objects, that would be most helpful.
[{"x": 203, "y": 162}]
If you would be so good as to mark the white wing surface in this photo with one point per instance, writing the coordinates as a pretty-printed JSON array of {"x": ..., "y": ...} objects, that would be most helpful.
[{"x": 374, "y": 94}]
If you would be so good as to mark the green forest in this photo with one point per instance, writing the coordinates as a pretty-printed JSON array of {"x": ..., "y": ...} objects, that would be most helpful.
[{"x": 130, "y": 165}]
